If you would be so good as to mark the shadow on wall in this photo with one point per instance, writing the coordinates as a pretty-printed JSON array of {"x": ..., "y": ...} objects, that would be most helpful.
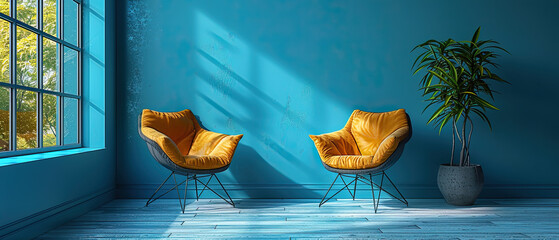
[
  {"x": 244, "y": 91},
  {"x": 253, "y": 132},
  {"x": 254, "y": 172}
]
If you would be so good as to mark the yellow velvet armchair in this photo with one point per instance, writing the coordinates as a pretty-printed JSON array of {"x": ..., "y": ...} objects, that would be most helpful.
[
  {"x": 367, "y": 146},
  {"x": 176, "y": 141}
]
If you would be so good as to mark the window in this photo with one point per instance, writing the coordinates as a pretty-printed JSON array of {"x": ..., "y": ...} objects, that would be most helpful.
[{"x": 40, "y": 75}]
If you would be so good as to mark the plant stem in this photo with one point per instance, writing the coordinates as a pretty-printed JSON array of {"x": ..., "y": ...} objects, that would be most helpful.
[
  {"x": 453, "y": 142},
  {"x": 462, "y": 152},
  {"x": 456, "y": 129},
  {"x": 469, "y": 140}
]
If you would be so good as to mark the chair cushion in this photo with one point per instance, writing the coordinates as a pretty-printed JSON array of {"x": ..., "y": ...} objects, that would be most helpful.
[
  {"x": 351, "y": 161},
  {"x": 370, "y": 129},
  {"x": 178, "y": 126},
  {"x": 336, "y": 143},
  {"x": 367, "y": 140},
  {"x": 187, "y": 144},
  {"x": 204, "y": 162},
  {"x": 215, "y": 152}
]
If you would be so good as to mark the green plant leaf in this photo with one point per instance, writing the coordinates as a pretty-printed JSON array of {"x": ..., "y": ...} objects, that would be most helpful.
[
  {"x": 443, "y": 123},
  {"x": 422, "y": 56},
  {"x": 497, "y": 47},
  {"x": 428, "y": 105},
  {"x": 456, "y": 77},
  {"x": 476, "y": 35},
  {"x": 461, "y": 110},
  {"x": 436, "y": 114},
  {"x": 419, "y": 68},
  {"x": 429, "y": 80},
  {"x": 428, "y": 42},
  {"x": 483, "y": 103},
  {"x": 483, "y": 117}
]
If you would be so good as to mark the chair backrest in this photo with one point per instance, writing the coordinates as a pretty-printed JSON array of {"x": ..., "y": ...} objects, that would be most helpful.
[
  {"x": 179, "y": 126},
  {"x": 156, "y": 120},
  {"x": 398, "y": 152},
  {"x": 370, "y": 129},
  {"x": 394, "y": 157}
]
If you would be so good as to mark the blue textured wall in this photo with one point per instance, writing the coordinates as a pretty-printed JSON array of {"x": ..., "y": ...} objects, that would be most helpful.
[
  {"x": 39, "y": 195},
  {"x": 280, "y": 70}
]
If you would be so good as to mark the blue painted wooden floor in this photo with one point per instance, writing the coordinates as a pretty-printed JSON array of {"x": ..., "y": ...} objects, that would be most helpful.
[{"x": 300, "y": 219}]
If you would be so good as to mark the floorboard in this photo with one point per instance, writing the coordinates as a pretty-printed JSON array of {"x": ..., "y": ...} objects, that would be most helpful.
[{"x": 303, "y": 219}]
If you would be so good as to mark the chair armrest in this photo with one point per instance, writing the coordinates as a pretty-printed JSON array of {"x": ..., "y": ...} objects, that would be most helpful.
[
  {"x": 350, "y": 161},
  {"x": 340, "y": 142},
  {"x": 207, "y": 143},
  {"x": 324, "y": 146},
  {"x": 166, "y": 143},
  {"x": 226, "y": 146},
  {"x": 389, "y": 144}
]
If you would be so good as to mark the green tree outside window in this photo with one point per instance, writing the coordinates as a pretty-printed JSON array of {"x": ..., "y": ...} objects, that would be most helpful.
[{"x": 26, "y": 75}]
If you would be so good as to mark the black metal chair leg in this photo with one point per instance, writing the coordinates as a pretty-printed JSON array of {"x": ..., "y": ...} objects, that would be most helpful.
[
  {"x": 346, "y": 186},
  {"x": 148, "y": 202},
  {"x": 227, "y": 201},
  {"x": 369, "y": 181},
  {"x": 211, "y": 176},
  {"x": 196, "y": 178},
  {"x": 379, "y": 191},
  {"x": 176, "y": 187},
  {"x": 168, "y": 191},
  {"x": 355, "y": 187},
  {"x": 394, "y": 185},
  {"x": 322, "y": 201},
  {"x": 185, "y": 188},
  {"x": 384, "y": 189},
  {"x": 373, "y": 191},
  {"x": 196, "y": 186},
  {"x": 226, "y": 193},
  {"x": 333, "y": 195}
]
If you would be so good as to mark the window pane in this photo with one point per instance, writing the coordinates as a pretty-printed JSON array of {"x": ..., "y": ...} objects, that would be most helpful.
[
  {"x": 70, "y": 71},
  {"x": 4, "y": 51},
  {"x": 50, "y": 105},
  {"x": 50, "y": 17},
  {"x": 5, "y": 7},
  {"x": 26, "y": 119},
  {"x": 50, "y": 65},
  {"x": 26, "y": 73},
  {"x": 70, "y": 120},
  {"x": 4, "y": 119},
  {"x": 71, "y": 21},
  {"x": 27, "y": 11}
]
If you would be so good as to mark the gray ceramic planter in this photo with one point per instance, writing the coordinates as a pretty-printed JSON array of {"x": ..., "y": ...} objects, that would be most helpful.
[{"x": 460, "y": 185}]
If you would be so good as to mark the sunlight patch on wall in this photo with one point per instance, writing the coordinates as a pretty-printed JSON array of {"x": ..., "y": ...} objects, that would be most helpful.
[
  {"x": 94, "y": 74},
  {"x": 242, "y": 90}
]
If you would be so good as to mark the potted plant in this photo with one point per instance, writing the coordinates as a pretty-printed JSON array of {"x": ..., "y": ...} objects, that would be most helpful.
[{"x": 456, "y": 80}]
